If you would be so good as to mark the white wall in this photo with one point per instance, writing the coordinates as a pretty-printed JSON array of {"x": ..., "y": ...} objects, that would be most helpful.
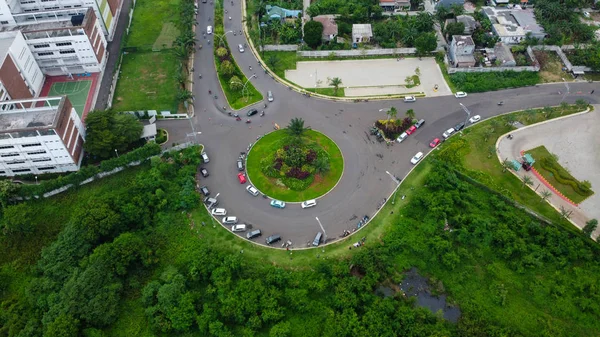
[
  {"x": 26, "y": 63},
  {"x": 63, "y": 64},
  {"x": 6, "y": 18}
]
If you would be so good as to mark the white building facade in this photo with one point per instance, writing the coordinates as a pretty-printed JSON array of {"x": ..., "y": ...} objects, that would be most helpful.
[
  {"x": 20, "y": 75},
  {"x": 40, "y": 135}
]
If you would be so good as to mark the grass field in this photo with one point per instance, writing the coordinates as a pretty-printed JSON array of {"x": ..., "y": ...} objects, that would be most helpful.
[
  {"x": 148, "y": 19},
  {"x": 540, "y": 153},
  {"x": 328, "y": 91},
  {"x": 147, "y": 82},
  {"x": 77, "y": 92},
  {"x": 551, "y": 67},
  {"x": 270, "y": 143}
]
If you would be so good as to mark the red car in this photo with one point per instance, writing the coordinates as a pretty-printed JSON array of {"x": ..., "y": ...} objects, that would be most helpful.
[
  {"x": 434, "y": 142},
  {"x": 411, "y": 130},
  {"x": 241, "y": 178}
]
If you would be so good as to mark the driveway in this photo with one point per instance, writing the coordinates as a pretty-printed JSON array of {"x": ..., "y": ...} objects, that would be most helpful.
[
  {"x": 371, "y": 77},
  {"x": 574, "y": 139}
]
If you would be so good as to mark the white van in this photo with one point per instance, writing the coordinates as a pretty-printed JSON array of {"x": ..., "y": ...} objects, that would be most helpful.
[
  {"x": 270, "y": 96},
  {"x": 209, "y": 30},
  {"x": 402, "y": 137},
  {"x": 240, "y": 48}
]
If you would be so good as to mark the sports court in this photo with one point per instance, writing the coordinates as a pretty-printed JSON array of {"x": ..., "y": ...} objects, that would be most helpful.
[{"x": 79, "y": 88}]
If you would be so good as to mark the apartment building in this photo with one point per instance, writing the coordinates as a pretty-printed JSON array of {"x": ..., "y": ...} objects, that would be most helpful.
[
  {"x": 19, "y": 12},
  {"x": 20, "y": 75},
  {"x": 40, "y": 135}
]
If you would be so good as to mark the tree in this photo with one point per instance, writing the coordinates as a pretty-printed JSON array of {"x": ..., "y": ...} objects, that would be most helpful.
[
  {"x": 410, "y": 113},
  {"x": 565, "y": 212},
  {"x": 455, "y": 28},
  {"x": 184, "y": 95},
  {"x": 425, "y": 43},
  {"x": 590, "y": 227},
  {"x": 313, "y": 32},
  {"x": 505, "y": 164},
  {"x": 527, "y": 181},
  {"x": 335, "y": 83},
  {"x": 321, "y": 164},
  {"x": 296, "y": 127},
  {"x": 18, "y": 219},
  {"x": 392, "y": 112},
  {"x": 108, "y": 131},
  {"x": 273, "y": 61},
  {"x": 64, "y": 325},
  {"x": 441, "y": 14},
  {"x": 235, "y": 83},
  {"x": 227, "y": 68},
  {"x": 222, "y": 52},
  {"x": 545, "y": 195},
  {"x": 7, "y": 190},
  {"x": 457, "y": 9}
]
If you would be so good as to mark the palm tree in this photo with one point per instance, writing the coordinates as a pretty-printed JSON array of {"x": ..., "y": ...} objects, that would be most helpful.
[
  {"x": 505, "y": 165},
  {"x": 545, "y": 195},
  {"x": 392, "y": 113},
  {"x": 187, "y": 40},
  {"x": 527, "y": 181},
  {"x": 321, "y": 165},
  {"x": 410, "y": 113},
  {"x": 184, "y": 96},
  {"x": 296, "y": 127},
  {"x": 335, "y": 83},
  {"x": 565, "y": 213},
  {"x": 273, "y": 61},
  {"x": 441, "y": 14},
  {"x": 510, "y": 119}
]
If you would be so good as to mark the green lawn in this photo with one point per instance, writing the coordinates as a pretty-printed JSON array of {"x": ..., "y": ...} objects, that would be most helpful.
[
  {"x": 328, "y": 91},
  {"x": 148, "y": 19},
  {"x": 285, "y": 60},
  {"x": 541, "y": 153},
  {"x": 147, "y": 82},
  {"x": 270, "y": 143}
]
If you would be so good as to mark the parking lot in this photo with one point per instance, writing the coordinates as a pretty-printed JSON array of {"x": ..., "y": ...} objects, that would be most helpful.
[{"x": 371, "y": 77}]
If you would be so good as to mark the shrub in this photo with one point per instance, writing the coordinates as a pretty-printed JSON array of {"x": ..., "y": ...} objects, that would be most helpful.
[
  {"x": 563, "y": 177},
  {"x": 297, "y": 184},
  {"x": 311, "y": 155},
  {"x": 480, "y": 82}
]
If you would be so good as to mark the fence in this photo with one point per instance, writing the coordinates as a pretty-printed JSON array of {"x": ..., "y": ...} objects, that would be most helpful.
[
  {"x": 563, "y": 57},
  {"x": 279, "y": 47},
  {"x": 356, "y": 53},
  {"x": 146, "y": 114},
  {"x": 491, "y": 69}
]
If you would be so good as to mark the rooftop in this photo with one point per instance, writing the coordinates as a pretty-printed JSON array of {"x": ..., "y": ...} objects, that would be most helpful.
[
  {"x": 362, "y": 29},
  {"x": 514, "y": 19},
  {"x": 51, "y": 23},
  {"x": 329, "y": 25},
  {"x": 23, "y": 117},
  {"x": 6, "y": 40},
  {"x": 462, "y": 40},
  {"x": 503, "y": 53}
]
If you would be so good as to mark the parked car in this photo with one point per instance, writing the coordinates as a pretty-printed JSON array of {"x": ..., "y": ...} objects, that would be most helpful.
[
  {"x": 253, "y": 234},
  {"x": 240, "y": 48},
  {"x": 460, "y": 94},
  {"x": 205, "y": 157},
  {"x": 252, "y": 190},
  {"x": 309, "y": 203},
  {"x": 240, "y": 164},
  {"x": 459, "y": 126},
  {"x": 230, "y": 220},
  {"x": 272, "y": 239},
  {"x": 211, "y": 202},
  {"x": 416, "y": 158},
  {"x": 586, "y": 14},
  {"x": 419, "y": 123},
  {"x": 317, "y": 239},
  {"x": 434, "y": 142},
  {"x": 252, "y": 112},
  {"x": 402, "y": 137},
  {"x": 204, "y": 172},
  {"x": 209, "y": 30},
  {"x": 448, "y": 133},
  {"x": 277, "y": 203},
  {"x": 238, "y": 228},
  {"x": 408, "y": 99},
  {"x": 219, "y": 212},
  {"x": 475, "y": 119},
  {"x": 270, "y": 96},
  {"x": 205, "y": 191},
  {"x": 411, "y": 130},
  {"x": 241, "y": 178}
]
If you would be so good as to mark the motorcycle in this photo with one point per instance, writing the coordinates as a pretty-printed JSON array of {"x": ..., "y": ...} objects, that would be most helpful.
[
  {"x": 262, "y": 113},
  {"x": 199, "y": 75},
  {"x": 248, "y": 121},
  {"x": 501, "y": 103},
  {"x": 238, "y": 118}
]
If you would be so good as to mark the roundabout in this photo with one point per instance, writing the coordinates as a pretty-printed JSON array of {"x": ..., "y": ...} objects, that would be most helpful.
[{"x": 294, "y": 168}]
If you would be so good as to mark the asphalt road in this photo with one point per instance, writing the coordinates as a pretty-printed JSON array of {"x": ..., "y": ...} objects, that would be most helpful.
[{"x": 364, "y": 183}]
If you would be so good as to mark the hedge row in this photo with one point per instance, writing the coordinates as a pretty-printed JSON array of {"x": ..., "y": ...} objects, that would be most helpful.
[
  {"x": 76, "y": 178},
  {"x": 564, "y": 177}
]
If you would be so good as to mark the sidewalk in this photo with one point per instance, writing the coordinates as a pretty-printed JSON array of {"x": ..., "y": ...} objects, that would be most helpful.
[{"x": 568, "y": 138}]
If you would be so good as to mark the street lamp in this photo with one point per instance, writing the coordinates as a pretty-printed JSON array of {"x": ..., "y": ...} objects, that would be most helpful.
[
  {"x": 117, "y": 153},
  {"x": 222, "y": 36},
  {"x": 323, "y": 229},
  {"x": 397, "y": 184},
  {"x": 244, "y": 87},
  {"x": 36, "y": 181},
  {"x": 316, "y": 80},
  {"x": 467, "y": 111},
  {"x": 194, "y": 133},
  {"x": 567, "y": 92}
]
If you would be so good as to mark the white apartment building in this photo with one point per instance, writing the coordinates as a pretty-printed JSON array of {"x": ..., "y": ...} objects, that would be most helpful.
[
  {"x": 16, "y": 12},
  {"x": 40, "y": 135},
  {"x": 20, "y": 75}
]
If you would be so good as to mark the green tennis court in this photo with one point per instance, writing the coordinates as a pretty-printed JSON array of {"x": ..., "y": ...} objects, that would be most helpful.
[{"x": 76, "y": 91}]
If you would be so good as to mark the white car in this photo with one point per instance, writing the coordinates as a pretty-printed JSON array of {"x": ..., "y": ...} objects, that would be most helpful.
[
  {"x": 229, "y": 220},
  {"x": 240, "y": 48},
  {"x": 475, "y": 119},
  {"x": 309, "y": 203},
  {"x": 586, "y": 14},
  {"x": 219, "y": 211},
  {"x": 402, "y": 137},
  {"x": 252, "y": 190},
  {"x": 270, "y": 96},
  {"x": 460, "y": 94},
  {"x": 205, "y": 157},
  {"x": 238, "y": 228},
  {"x": 209, "y": 30},
  {"x": 416, "y": 158},
  {"x": 408, "y": 99},
  {"x": 448, "y": 133}
]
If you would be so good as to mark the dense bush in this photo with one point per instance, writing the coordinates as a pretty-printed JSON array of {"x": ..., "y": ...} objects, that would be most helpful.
[
  {"x": 394, "y": 127},
  {"x": 564, "y": 177},
  {"x": 481, "y": 82}
]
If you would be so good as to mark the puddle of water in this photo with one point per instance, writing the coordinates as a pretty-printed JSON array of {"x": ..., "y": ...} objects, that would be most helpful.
[{"x": 415, "y": 285}]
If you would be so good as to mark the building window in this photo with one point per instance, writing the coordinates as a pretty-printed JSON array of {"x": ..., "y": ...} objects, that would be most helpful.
[
  {"x": 60, "y": 44},
  {"x": 41, "y": 159},
  {"x": 46, "y": 168},
  {"x": 7, "y": 146},
  {"x": 22, "y": 170},
  {"x": 16, "y": 162},
  {"x": 36, "y": 152},
  {"x": 4, "y": 22},
  {"x": 30, "y": 145},
  {"x": 46, "y": 54},
  {"x": 70, "y": 51},
  {"x": 10, "y": 155},
  {"x": 44, "y": 45}
]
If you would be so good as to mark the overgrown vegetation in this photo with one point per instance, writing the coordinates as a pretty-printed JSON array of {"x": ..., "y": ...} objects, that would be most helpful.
[
  {"x": 489, "y": 81},
  {"x": 561, "y": 22},
  {"x": 588, "y": 56},
  {"x": 109, "y": 132}
]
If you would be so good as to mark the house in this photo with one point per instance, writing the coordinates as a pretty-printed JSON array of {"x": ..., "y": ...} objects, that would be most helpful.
[
  {"x": 330, "y": 28},
  {"x": 504, "y": 56},
  {"x": 512, "y": 25},
  {"x": 361, "y": 33},
  {"x": 469, "y": 22},
  {"x": 449, "y": 3},
  {"x": 278, "y": 13},
  {"x": 499, "y": 2},
  {"x": 461, "y": 51},
  {"x": 394, "y": 5}
]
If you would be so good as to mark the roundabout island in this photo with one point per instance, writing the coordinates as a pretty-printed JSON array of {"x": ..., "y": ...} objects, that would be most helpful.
[{"x": 295, "y": 164}]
